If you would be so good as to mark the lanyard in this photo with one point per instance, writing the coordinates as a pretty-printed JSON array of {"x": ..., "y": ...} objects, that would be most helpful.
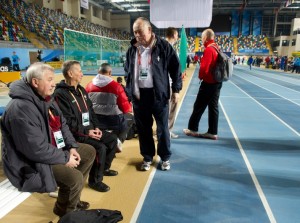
[
  {"x": 52, "y": 118},
  {"x": 77, "y": 101},
  {"x": 153, "y": 42},
  {"x": 51, "y": 115},
  {"x": 140, "y": 57}
]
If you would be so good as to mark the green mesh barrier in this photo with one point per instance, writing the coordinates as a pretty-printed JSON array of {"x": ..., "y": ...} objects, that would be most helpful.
[{"x": 92, "y": 50}]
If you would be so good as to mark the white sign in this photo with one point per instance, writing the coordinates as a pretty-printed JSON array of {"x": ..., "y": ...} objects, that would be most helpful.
[
  {"x": 178, "y": 13},
  {"x": 84, "y": 4},
  {"x": 3, "y": 68}
]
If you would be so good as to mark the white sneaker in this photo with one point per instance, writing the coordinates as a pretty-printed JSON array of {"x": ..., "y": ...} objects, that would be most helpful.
[
  {"x": 146, "y": 166},
  {"x": 165, "y": 165},
  {"x": 173, "y": 135},
  {"x": 191, "y": 133},
  {"x": 119, "y": 146},
  {"x": 209, "y": 136},
  {"x": 53, "y": 194}
]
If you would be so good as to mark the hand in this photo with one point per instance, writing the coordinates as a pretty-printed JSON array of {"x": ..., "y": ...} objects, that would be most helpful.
[
  {"x": 175, "y": 97},
  {"x": 95, "y": 134},
  {"x": 74, "y": 151},
  {"x": 73, "y": 162},
  {"x": 98, "y": 132}
]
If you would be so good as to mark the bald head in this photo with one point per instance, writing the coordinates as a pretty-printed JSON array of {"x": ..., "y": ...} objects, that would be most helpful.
[
  {"x": 207, "y": 35},
  {"x": 142, "y": 31},
  {"x": 105, "y": 69}
]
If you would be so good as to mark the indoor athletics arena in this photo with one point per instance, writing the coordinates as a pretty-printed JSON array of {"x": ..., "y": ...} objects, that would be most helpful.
[{"x": 250, "y": 174}]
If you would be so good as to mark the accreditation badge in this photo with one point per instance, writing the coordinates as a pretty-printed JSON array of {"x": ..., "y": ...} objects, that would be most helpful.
[
  {"x": 85, "y": 119},
  {"x": 143, "y": 74},
  {"x": 60, "y": 143}
]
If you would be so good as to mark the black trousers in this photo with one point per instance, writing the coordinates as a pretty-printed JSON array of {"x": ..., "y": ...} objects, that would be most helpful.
[
  {"x": 118, "y": 124},
  {"x": 144, "y": 110},
  {"x": 16, "y": 67},
  {"x": 208, "y": 95},
  {"x": 105, "y": 153}
]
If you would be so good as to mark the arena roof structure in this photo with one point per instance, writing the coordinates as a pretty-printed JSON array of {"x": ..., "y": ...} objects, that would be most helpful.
[{"x": 219, "y": 6}]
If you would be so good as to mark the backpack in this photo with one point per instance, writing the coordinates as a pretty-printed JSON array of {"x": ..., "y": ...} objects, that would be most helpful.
[
  {"x": 224, "y": 67},
  {"x": 92, "y": 216}
]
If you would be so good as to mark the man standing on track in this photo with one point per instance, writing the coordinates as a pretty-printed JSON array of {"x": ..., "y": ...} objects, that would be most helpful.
[
  {"x": 209, "y": 91},
  {"x": 150, "y": 61}
]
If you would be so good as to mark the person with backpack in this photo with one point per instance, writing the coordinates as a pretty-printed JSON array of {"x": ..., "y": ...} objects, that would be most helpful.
[{"x": 209, "y": 91}]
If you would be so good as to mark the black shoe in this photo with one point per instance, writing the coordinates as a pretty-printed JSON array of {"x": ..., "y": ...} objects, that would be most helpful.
[
  {"x": 101, "y": 187},
  {"x": 83, "y": 205},
  {"x": 110, "y": 173},
  {"x": 58, "y": 211}
]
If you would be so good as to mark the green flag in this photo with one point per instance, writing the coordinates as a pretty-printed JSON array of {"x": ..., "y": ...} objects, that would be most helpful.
[{"x": 183, "y": 50}]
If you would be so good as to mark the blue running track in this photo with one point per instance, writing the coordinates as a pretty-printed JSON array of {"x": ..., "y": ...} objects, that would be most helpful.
[{"x": 251, "y": 174}]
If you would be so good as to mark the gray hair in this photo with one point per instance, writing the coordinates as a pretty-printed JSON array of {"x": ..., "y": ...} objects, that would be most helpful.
[
  {"x": 67, "y": 65},
  {"x": 145, "y": 21},
  {"x": 36, "y": 70},
  {"x": 209, "y": 33}
]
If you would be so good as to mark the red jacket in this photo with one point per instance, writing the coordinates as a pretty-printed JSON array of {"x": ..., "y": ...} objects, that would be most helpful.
[
  {"x": 100, "y": 89},
  {"x": 208, "y": 62}
]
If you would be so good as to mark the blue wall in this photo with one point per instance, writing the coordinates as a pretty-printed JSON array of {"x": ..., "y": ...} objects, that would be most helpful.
[{"x": 23, "y": 54}]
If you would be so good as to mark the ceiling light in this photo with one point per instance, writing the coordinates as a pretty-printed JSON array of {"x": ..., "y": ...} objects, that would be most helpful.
[{"x": 135, "y": 10}]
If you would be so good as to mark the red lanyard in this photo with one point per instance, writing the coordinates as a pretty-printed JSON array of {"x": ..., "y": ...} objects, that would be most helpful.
[
  {"x": 77, "y": 101},
  {"x": 53, "y": 122},
  {"x": 51, "y": 115},
  {"x": 140, "y": 60}
]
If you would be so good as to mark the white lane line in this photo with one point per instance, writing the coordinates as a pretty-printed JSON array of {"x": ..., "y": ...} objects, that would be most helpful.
[
  {"x": 143, "y": 196},
  {"x": 183, "y": 97},
  {"x": 241, "y": 97},
  {"x": 259, "y": 76},
  {"x": 280, "y": 76},
  {"x": 273, "y": 91},
  {"x": 249, "y": 167},
  {"x": 151, "y": 176},
  {"x": 279, "y": 119}
]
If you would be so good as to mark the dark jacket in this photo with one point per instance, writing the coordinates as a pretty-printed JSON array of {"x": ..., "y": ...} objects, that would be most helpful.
[
  {"x": 164, "y": 61},
  {"x": 27, "y": 151},
  {"x": 71, "y": 111}
]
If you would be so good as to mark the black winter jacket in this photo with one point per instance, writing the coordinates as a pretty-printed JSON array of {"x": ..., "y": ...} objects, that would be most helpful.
[
  {"x": 27, "y": 151},
  {"x": 71, "y": 111},
  {"x": 164, "y": 62}
]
